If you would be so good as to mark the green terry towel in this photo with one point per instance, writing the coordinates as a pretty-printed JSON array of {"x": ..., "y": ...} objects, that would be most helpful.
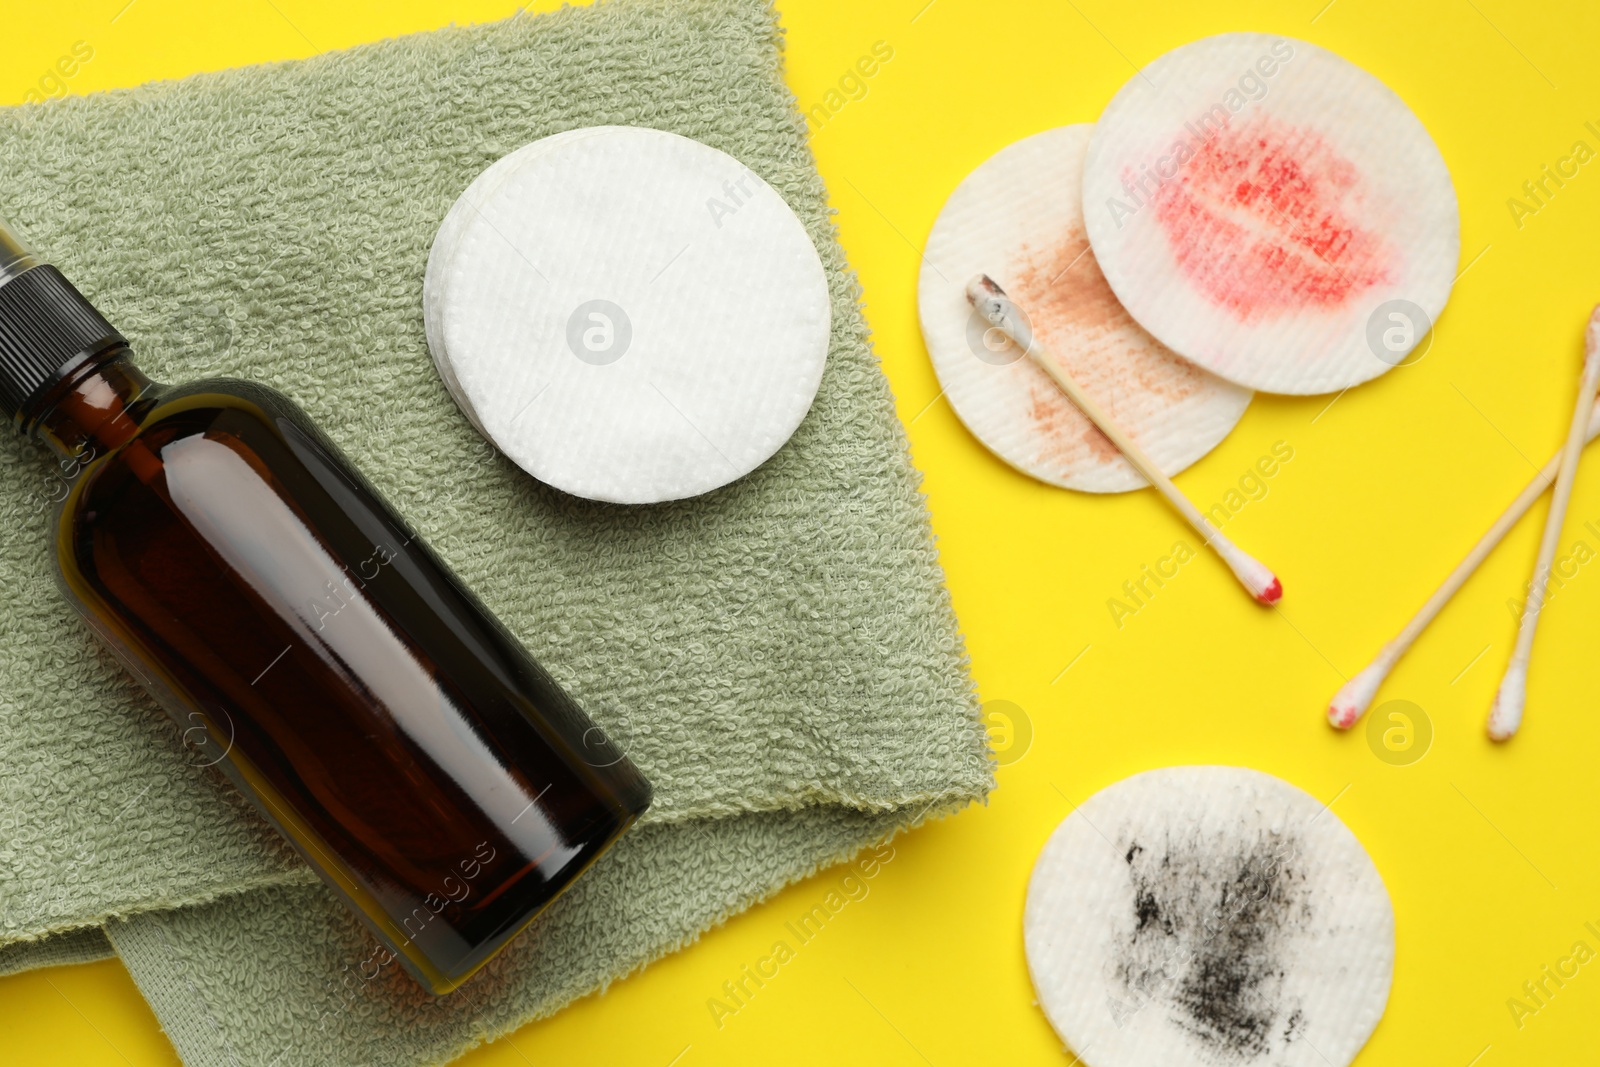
[{"x": 779, "y": 657}]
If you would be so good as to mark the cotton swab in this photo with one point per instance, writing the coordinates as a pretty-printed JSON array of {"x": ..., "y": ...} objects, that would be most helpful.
[
  {"x": 1356, "y": 695},
  {"x": 992, "y": 304},
  {"x": 1506, "y": 714}
]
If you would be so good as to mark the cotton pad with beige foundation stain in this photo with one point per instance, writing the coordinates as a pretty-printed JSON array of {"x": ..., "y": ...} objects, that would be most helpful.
[
  {"x": 1017, "y": 219},
  {"x": 1208, "y": 916},
  {"x": 630, "y": 315},
  {"x": 1272, "y": 212}
]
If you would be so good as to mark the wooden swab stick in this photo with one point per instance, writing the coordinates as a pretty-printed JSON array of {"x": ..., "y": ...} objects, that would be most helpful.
[
  {"x": 1353, "y": 699},
  {"x": 992, "y": 304},
  {"x": 1506, "y": 714}
]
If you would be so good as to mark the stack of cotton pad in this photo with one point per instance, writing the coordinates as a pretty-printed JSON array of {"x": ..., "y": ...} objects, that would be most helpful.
[
  {"x": 630, "y": 315},
  {"x": 1017, "y": 218},
  {"x": 1272, "y": 212},
  {"x": 1208, "y": 915}
]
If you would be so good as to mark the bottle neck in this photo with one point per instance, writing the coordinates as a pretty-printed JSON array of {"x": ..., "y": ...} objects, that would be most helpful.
[{"x": 92, "y": 410}]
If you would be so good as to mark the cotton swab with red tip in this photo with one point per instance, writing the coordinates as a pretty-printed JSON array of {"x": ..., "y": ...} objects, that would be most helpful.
[
  {"x": 992, "y": 304},
  {"x": 1506, "y": 714},
  {"x": 1353, "y": 699}
]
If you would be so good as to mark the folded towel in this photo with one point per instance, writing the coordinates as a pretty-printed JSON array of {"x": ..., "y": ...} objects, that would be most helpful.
[{"x": 779, "y": 657}]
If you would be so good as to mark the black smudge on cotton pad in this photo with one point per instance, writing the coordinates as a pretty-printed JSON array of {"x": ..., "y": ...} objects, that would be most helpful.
[
  {"x": 1208, "y": 916},
  {"x": 1209, "y": 923}
]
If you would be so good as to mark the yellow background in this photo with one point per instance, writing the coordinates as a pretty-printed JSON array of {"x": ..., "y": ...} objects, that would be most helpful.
[{"x": 1489, "y": 852}]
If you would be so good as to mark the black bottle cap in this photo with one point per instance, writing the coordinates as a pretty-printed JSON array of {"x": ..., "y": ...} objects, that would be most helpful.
[{"x": 47, "y": 330}]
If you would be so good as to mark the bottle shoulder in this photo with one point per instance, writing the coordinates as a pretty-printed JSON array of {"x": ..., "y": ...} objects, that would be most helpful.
[
  {"x": 229, "y": 407},
  {"x": 178, "y": 402},
  {"x": 246, "y": 412}
]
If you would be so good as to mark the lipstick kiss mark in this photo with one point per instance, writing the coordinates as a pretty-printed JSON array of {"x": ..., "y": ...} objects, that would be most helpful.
[{"x": 1258, "y": 220}]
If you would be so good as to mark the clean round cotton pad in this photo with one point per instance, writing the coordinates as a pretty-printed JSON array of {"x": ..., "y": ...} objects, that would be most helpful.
[
  {"x": 630, "y": 315},
  {"x": 1018, "y": 218},
  {"x": 1208, "y": 915},
  {"x": 442, "y": 254},
  {"x": 1272, "y": 212}
]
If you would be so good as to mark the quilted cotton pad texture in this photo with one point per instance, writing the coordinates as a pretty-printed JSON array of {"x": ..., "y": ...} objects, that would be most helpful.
[
  {"x": 1272, "y": 212},
  {"x": 630, "y": 315},
  {"x": 1018, "y": 219},
  {"x": 441, "y": 256},
  {"x": 779, "y": 656},
  {"x": 1208, "y": 915}
]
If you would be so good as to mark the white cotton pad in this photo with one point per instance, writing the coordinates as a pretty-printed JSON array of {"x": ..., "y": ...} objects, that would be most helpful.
[
  {"x": 630, "y": 315},
  {"x": 442, "y": 254},
  {"x": 1208, "y": 915},
  {"x": 1018, "y": 219},
  {"x": 1273, "y": 212}
]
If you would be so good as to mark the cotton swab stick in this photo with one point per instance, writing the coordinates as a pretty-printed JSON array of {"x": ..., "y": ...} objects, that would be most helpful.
[
  {"x": 992, "y": 304},
  {"x": 1506, "y": 714},
  {"x": 1356, "y": 695}
]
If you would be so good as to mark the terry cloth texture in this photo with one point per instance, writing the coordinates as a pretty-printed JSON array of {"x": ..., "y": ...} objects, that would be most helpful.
[
  {"x": 779, "y": 656},
  {"x": 84, "y": 945}
]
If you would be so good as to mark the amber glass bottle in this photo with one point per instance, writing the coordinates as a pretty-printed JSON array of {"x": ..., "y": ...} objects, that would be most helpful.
[{"x": 343, "y": 678}]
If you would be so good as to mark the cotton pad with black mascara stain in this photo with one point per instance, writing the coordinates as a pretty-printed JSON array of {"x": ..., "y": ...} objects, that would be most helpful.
[{"x": 1209, "y": 916}]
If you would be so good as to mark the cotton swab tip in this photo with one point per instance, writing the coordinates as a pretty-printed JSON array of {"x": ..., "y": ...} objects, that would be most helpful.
[
  {"x": 1355, "y": 696},
  {"x": 989, "y": 300},
  {"x": 981, "y": 285},
  {"x": 1592, "y": 337},
  {"x": 1255, "y": 576},
  {"x": 1506, "y": 715}
]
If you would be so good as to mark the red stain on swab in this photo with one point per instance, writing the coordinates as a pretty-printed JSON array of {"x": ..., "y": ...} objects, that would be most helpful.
[
  {"x": 1258, "y": 221},
  {"x": 1272, "y": 593}
]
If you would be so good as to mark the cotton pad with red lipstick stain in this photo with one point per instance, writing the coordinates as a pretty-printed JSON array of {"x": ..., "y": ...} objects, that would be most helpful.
[
  {"x": 1272, "y": 212},
  {"x": 1018, "y": 219}
]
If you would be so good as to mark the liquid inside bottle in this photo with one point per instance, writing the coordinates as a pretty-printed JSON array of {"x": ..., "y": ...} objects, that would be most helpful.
[{"x": 344, "y": 679}]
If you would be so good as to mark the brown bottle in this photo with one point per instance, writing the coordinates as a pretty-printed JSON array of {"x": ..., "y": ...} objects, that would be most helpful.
[{"x": 350, "y": 686}]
